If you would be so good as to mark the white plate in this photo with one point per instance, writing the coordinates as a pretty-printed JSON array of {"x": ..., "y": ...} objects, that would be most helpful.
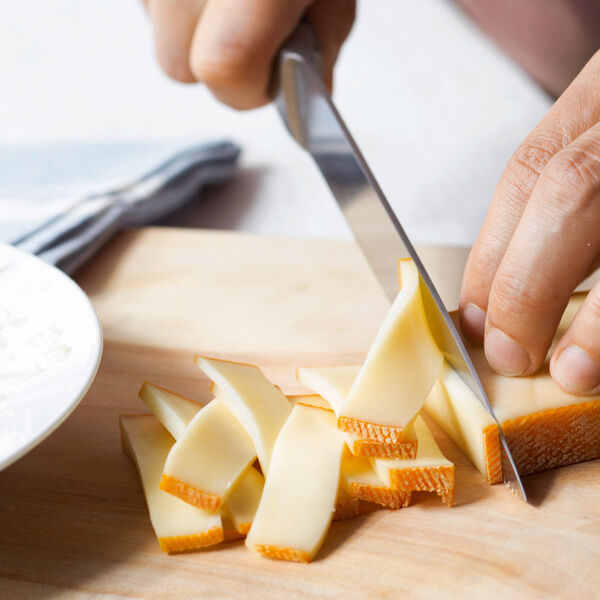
[{"x": 50, "y": 348}]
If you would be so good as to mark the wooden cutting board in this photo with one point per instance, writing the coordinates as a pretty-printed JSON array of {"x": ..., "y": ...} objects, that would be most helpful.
[{"x": 73, "y": 521}]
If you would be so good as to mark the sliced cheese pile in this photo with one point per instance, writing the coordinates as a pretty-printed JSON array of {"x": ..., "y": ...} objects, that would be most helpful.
[{"x": 179, "y": 526}]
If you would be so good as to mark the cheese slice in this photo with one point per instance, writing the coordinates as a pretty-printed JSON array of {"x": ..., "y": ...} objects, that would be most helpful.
[
  {"x": 463, "y": 419},
  {"x": 178, "y": 525},
  {"x": 360, "y": 481},
  {"x": 212, "y": 454},
  {"x": 260, "y": 407},
  {"x": 333, "y": 385},
  {"x": 172, "y": 410},
  {"x": 242, "y": 503},
  {"x": 346, "y": 506},
  {"x": 401, "y": 367},
  {"x": 545, "y": 427},
  {"x": 301, "y": 487},
  {"x": 430, "y": 471}
]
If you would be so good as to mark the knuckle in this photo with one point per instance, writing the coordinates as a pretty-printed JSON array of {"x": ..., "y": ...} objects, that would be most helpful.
[
  {"x": 514, "y": 294},
  {"x": 175, "y": 69},
  {"x": 529, "y": 160},
  {"x": 573, "y": 171}
]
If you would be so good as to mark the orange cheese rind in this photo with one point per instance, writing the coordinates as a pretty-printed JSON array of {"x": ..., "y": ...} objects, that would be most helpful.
[
  {"x": 347, "y": 507},
  {"x": 385, "y": 496},
  {"x": 384, "y": 434},
  {"x": 280, "y": 553},
  {"x": 184, "y": 543},
  {"x": 554, "y": 438},
  {"x": 373, "y": 449},
  {"x": 190, "y": 494},
  {"x": 438, "y": 479},
  {"x": 493, "y": 455}
]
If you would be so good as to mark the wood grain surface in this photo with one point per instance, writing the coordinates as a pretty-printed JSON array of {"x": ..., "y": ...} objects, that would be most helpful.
[{"x": 73, "y": 522}]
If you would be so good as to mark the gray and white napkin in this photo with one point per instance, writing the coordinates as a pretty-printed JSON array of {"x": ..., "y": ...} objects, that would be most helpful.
[{"x": 62, "y": 202}]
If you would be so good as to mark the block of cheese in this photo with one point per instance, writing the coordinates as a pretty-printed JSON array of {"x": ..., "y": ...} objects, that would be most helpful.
[
  {"x": 242, "y": 503},
  {"x": 545, "y": 427},
  {"x": 178, "y": 525},
  {"x": 172, "y": 410},
  {"x": 401, "y": 367},
  {"x": 430, "y": 471},
  {"x": 301, "y": 487},
  {"x": 360, "y": 481},
  {"x": 333, "y": 385},
  {"x": 205, "y": 463},
  {"x": 464, "y": 419},
  {"x": 257, "y": 404}
]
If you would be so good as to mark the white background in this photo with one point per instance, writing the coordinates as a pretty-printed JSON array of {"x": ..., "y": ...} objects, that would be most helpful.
[{"x": 436, "y": 108}]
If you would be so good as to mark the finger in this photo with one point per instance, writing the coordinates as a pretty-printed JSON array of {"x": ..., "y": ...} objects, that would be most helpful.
[
  {"x": 576, "y": 110},
  {"x": 332, "y": 21},
  {"x": 235, "y": 43},
  {"x": 174, "y": 23},
  {"x": 556, "y": 241},
  {"x": 575, "y": 363}
]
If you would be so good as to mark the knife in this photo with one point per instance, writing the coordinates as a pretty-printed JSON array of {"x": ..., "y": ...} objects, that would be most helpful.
[{"x": 309, "y": 114}]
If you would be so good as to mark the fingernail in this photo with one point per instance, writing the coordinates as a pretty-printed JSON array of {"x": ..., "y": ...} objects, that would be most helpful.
[
  {"x": 504, "y": 354},
  {"x": 577, "y": 370},
  {"x": 472, "y": 322}
]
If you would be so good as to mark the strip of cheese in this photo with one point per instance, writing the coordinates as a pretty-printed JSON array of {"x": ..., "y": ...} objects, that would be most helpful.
[
  {"x": 178, "y": 525},
  {"x": 360, "y": 481},
  {"x": 333, "y": 385},
  {"x": 346, "y": 506},
  {"x": 301, "y": 487},
  {"x": 172, "y": 410},
  {"x": 242, "y": 503},
  {"x": 260, "y": 407},
  {"x": 401, "y": 367},
  {"x": 544, "y": 427},
  {"x": 463, "y": 419},
  {"x": 431, "y": 471},
  {"x": 212, "y": 454}
]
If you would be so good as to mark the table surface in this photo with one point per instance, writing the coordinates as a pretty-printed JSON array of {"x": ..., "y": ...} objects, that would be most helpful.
[{"x": 72, "y": 515}]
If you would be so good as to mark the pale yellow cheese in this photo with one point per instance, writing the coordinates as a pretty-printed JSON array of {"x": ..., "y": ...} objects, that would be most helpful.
[
  {"x": 429, "y": 471},
  {"x": 260, "y": 407},
  {"x": 214, "y": 451},
  {"x": 461, "y": 415},
  {"x": 242, "y": 503},
  {"x": 171, "y": 409},
  {"x": 360, "y": 481},
  {"x": 402, "y": 365},
  {"x": 333, "y": 385},
  {"x": 178, "y": 525},
  {"x": 301, "y": 487}
]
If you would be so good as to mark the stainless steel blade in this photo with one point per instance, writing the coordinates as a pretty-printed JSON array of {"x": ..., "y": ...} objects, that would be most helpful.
[{"x": 313, "y": 120}]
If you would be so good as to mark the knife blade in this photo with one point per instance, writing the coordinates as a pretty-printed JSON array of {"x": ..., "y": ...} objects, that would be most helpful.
[{"x": 313, "y": 120}]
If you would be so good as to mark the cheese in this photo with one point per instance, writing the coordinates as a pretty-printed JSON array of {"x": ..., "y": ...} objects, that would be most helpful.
[
  {"x": 360, "y": 481},
  {"x": 346, "y": 506},
  {"x": 172, "y": 410},
  {"x": 401, "y": 367},
  {"x": 208, "y": 459},
  {"x": 260, "y": 407},
  {"x": 301, "y": 487},
  {"x": 430, "y": 471},
  {"x": 333, "y": 385},
  {"x": 178, "y": 525},
  {"x": 545, "y": 427},
  {"x": 464, "y": 419},
  {"x": 242, "y": 503}
]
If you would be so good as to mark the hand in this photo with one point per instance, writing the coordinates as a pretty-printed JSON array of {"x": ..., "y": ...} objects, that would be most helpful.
[
  {"x": 540, "y": 238},
  {"x": 230, "y": 44}
]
